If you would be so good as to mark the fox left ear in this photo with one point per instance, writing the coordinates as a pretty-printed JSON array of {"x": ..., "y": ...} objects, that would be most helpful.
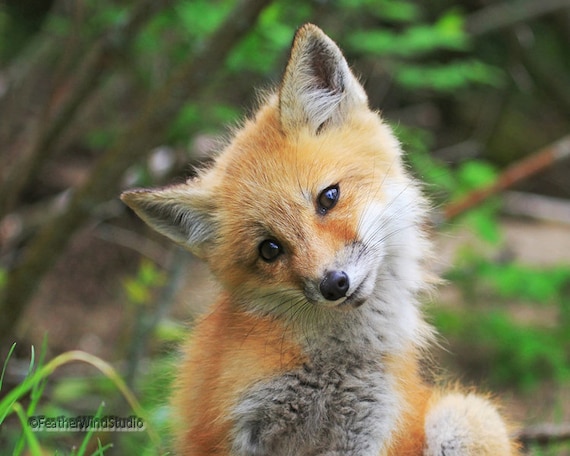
[
  {"x": 318, "y": 87},
  {"x": 184, "y": 213}
]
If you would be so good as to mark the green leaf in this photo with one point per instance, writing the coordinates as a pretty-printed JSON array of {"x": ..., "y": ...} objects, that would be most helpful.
[
  {"x": 476, "y": 174},
  {"x": 377, "y": 42},
  {"x": 485, "y": 224},
  {"x": 201, "y": 17},
  {"x": 451, "y": 25},
  {"x": 446, "y": 77}
]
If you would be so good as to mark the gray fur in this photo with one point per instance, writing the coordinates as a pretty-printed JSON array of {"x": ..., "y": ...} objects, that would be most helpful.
[{"x": 334, "y": 405}]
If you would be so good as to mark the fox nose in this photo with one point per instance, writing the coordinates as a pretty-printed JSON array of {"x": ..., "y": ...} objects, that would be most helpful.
[{"x": 335, "y": 285}]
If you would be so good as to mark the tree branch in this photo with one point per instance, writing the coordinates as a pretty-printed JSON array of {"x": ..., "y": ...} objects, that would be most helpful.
[{"x": 514, "y": 174}]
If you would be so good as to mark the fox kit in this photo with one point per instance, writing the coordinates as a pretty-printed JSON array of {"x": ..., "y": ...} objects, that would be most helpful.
[{"x": 313, "y": 227}]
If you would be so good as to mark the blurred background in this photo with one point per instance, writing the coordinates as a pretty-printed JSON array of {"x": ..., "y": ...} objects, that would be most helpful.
[{"x": 97, "y": 96}]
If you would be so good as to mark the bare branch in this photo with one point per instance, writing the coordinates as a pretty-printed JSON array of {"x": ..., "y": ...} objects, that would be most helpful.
[{"x": 514, "y": 174}]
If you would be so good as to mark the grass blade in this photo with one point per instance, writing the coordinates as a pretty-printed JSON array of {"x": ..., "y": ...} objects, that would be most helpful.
[
  {"x": 6, "y": 365},
  {"x": 30, "y": 437},
  {"x": 83, "y": 447}
]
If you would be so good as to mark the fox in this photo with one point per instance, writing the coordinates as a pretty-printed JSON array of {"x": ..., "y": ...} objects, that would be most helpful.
[{"x": 317, "y": 234}]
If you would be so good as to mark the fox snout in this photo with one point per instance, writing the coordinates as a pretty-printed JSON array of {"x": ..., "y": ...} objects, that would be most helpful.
[
  {"x": 334, "y": 285},
  {"x": 338, "y": 288}
]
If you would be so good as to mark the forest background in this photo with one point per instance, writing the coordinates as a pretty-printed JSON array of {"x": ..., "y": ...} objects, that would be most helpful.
[{"x": 97, "y": 96}]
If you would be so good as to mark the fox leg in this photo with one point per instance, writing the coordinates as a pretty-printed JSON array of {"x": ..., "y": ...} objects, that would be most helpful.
[{"x": 466, "y": 425}]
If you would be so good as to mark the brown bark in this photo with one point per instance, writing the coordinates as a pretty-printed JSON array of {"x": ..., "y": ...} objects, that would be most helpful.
[{"x": 70, "y": 94}]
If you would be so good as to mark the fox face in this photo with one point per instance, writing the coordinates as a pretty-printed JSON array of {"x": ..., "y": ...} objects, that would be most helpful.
[{"x": 309, "y": 209}]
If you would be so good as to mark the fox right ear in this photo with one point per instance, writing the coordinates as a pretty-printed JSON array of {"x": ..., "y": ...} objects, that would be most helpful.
[
  {"x": 182, "y": 213},
  {"x": 318, "y": 88}
]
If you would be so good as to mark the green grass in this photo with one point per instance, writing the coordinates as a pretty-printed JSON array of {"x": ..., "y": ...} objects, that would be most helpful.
[{"x": 30, "y": 392}]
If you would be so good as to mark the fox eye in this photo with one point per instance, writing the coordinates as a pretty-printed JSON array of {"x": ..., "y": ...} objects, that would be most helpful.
[
  {"x": 269, "y": 250},
  {"x": 327, "y": 199}
]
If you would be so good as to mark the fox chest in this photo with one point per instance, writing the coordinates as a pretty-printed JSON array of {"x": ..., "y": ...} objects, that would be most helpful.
[{"x": 341, "y": 408}]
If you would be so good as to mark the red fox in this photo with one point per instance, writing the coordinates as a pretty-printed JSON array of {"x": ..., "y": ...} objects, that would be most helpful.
[{"x": 314, "y": 228}]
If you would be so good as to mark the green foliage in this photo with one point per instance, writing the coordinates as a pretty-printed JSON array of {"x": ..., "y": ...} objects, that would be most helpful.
[
  {"x": 392, "y": 10},
  {"x": 475, "y": 174},
  {"x": 520, "y": 353},
  {"x": 447, "y": 77},
  {"x": 408, "y": 53},
  {"x": 260, "y": 50},
  {"x": 154, "y": 390},
  {"x": 513, "y": 280},
  {"x": 484, "y": 222},
  {"x": 514, "y": 354},
  {"x": 416, "y": 40},
  {"x": 201, "y": 17},
  {"x": 107, "y": 14},
  {"x": 437, "y": 177},
  {"x": 140, "y": 288},
  {"x": 552, "y": 449},
  {"x": 101, "y": 138}
]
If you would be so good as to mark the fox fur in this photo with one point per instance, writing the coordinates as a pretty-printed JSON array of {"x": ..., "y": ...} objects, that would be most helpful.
[{"x": 314, "y": 229}]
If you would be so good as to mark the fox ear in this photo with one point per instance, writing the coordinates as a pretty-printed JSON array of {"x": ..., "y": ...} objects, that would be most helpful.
[
  {"x": 181, "y": 212},
  {"x": 318, "y": 87}
]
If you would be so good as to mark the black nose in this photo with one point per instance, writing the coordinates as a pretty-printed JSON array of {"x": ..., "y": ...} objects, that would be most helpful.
[{"x": 335, "y": 285}]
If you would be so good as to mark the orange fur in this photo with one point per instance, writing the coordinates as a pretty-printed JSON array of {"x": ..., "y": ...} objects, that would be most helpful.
[
  {"x": 409, "y": 437},
  {"x": 228, "y": 351}
]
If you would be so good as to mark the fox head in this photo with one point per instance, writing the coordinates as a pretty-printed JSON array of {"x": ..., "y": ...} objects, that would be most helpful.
[{"x": 309, "y": 206}]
